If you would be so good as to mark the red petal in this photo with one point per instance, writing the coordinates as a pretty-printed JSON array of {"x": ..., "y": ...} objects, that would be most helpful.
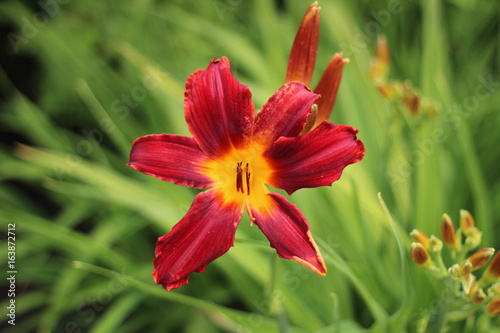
[
  {"x": 305, "y": 45},
  {"x": 288, "y": 232},
  {"x": 314, "y": 159},
  {"x": 204, "y": 234},
  {"x": 171, "y": 158},
  {"x": 285, "y": 113},
  {"x": 218, "y": 109},
  {"x": 328, "y": 86}
]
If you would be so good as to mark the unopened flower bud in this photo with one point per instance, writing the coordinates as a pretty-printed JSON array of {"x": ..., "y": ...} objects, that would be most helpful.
[
  {"x": 430, "y": 107},
  {"x": 494, "y": 290},
  {"x": 492, "y": 273},
  {"x": 448, "y": 233},
  {"x": 462, "y": 273},
  {"x": 380, "y": 65},
  {"x": 303, "y": 54},
  {"x": 435, "y": 244},
  {"x": 474, "y": 238},
  {"x": 419, "y": 237},
  {"x": 387, "y": 90},
  {"x": 328, "y": 86},
  {"x": 477, "y": 294},
  {"x": 410, "y": 98},
  {"x": 465, "y": 268},
  {"x": 467, "y": 281},
  {"x": 493, "y": 308},
  {"x": 419, "y": 255},
  {"x": 454, "y": 271},
  {"x": 466, "y": 222},
  {"x": 481, "y": 257}
]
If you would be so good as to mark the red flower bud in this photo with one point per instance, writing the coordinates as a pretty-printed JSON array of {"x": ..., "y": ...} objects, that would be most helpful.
[
  {"x": 493, "y": 308},
  {"x": 481, "y": 258},
  {"x": 419, "y": 237},
  {"x": 448, "y": 233},
  {"x": 380, "y": 65},
  {"x": 492, "y": 273},
  {"x": 477, "y": 294},
  {"x": 466, "y": 222},
  {"x": 419, "y": 255},
  {"x": 303, "y": 54}
]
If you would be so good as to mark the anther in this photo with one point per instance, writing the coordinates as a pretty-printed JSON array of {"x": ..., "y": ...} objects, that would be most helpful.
[
  {"x": 239, "y": 178},
  {"x": 247, "y": 178}
]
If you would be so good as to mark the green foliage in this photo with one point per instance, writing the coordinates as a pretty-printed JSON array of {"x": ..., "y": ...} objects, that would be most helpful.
[{"x": 80, "y": 80}]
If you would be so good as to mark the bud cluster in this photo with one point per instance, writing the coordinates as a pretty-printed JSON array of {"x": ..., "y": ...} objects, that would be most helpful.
[
  {"x": 393, "y": 90},
  {"x": 462, "y": 244}
]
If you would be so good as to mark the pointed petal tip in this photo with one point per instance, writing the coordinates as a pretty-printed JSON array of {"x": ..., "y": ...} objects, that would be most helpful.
[
  {"x": 316, "y": 263},
  {"x": 318, "y": 268},
  {"x": 312, "y": 13},
  {"x": 168, "y": 286},
  {"x": 339, "y": 56},
  {"x": 136, "y": 167},
  {"x": 312, "y": 9}
]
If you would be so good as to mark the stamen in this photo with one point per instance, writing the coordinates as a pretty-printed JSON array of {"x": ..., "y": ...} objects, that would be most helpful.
[
  {"x": 249, "y": 212},
  {"x": 247, "y": 178},
  {"x": 239, "y": 178}
]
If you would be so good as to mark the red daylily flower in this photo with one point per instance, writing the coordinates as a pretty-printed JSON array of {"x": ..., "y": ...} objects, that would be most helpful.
[
  {"x": 235, "y": 153},
  {"x": 301, "y": 66}
]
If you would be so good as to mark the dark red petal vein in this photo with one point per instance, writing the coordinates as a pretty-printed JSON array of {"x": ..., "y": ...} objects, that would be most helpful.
[
  {"x": 204, "y": 234},
  {"x": 314, "y": 159},
  {"x": 172, "y": 158},
  {"x": 218, "y": 109}
]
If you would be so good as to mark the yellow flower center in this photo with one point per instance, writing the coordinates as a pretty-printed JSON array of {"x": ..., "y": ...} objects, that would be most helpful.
[{"x": 240, "y": 176}]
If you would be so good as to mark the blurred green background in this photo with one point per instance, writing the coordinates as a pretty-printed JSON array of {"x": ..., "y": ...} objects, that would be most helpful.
[{"x": 80, "y": 80}]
